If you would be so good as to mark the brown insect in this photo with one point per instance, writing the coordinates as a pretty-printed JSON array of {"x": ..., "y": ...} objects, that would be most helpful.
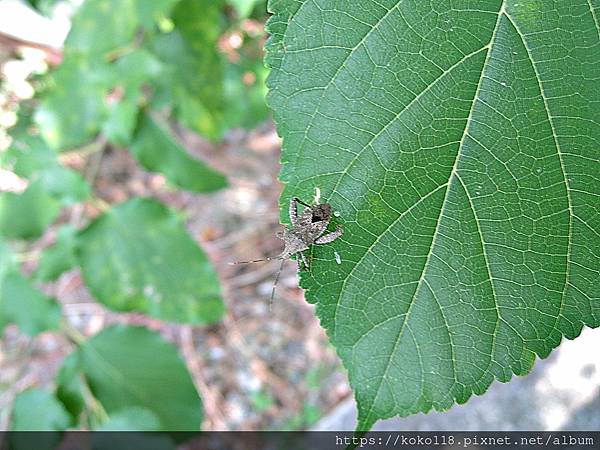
[{"x": 307, "y": 228}]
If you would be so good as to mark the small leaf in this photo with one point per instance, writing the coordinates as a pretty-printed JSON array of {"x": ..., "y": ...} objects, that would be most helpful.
[
  {"x": 133, "y": 367},
  {"x": 138, "y": 257},
  {"x": 158, "y": 151},
  {"x": 38, "y": 410},
  {"x": 71, "y": 385},
  {"x": 133, "y": 71},
  {"x": 59, "y": 257},
  {"x": 102, "y": 26},
  {"x": 31, "y": 158},
  {"x": 134, "y": 418},
  {"x": 243, "y": 8},
  {"x": 27, "y": 215},
  {"x": 72, "y": 110},
  {"x": 23, "y": 304},
  {"x": 195, "y": 68},
  {"x": 244, "y": 88}
]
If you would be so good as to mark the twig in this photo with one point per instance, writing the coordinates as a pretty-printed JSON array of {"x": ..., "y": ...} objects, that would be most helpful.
[{"x": 211, "y": 397}]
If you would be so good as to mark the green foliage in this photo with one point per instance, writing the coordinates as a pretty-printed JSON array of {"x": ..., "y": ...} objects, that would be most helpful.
[
  {"x": 60, "y": 257},
  {"x": 458, "y": 142},
  {"x": 38, "y": 410},
  {"x": 157, "y": 150},
  {"x": 21, "y": 302},
  {"x": 138, "y": 379},
  {"x": 126, "y": 64},
  {"x": 138, "y": 257},
  {"x": 71, "y": 386},
  {"x": 28, "y": 214},
  {"x": 26, "y": 306}
]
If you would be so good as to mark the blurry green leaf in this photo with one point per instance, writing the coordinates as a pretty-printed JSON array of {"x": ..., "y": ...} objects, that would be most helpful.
[
  {"x": 195, "y": 68},
  {"x": 71, "y": 385},
  {"x": 459, "y": 143},
  {"x": 243, "y": 8},
  {"x": 137, "y": 256},
  {"x": 132, "y": 440},
  {"x": 28, "y": 156},
  {"x": 131, "y": 368},
  {"x": 45, "y": 7},
  {"x": 23, "y": 304},
  {"x": 158, "y": 151},
  {"x": 133, "y": 71},
  {"x": 38, "y": 410},
  {"x": 102, "y": 26},
  {"x": 27, "y": 215},
  {"x": 133, "y": 418},
  {"x": 72, "y": 110},
  {"x": 245, "y": 93},
  {"x": 31, "y": 158},
  {"x": 59, "y": 257}
]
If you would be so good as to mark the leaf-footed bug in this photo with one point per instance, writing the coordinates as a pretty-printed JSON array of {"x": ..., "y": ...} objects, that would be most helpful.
[{"x": 307, "y": 228}]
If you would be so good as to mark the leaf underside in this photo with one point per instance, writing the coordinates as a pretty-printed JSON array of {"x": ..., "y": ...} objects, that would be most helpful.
[{"x": 459, "y": 141}]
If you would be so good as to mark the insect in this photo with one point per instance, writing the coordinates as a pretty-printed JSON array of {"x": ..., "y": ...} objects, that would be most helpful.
[{"x": 308, "y": 227}]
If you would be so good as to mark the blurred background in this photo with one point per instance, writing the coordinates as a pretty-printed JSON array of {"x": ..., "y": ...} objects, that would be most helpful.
[{"x": 103, "y": 101}]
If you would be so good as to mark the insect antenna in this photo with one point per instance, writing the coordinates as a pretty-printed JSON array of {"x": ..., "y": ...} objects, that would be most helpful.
[
  {"x": 275, "y": 285},
  {"x": 253, "y": 261},
  {"x": 268, "y": 258}
]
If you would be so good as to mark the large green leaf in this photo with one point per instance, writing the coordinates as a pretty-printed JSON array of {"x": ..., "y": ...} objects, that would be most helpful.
[
  {"x": 137, "y": 256},
  {"x": 157, "y": 150},
  {"x": 459, "y": 143},
  {"x": 133, "y": 368}
]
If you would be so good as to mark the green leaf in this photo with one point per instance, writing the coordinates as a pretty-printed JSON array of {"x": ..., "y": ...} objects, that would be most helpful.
[
  {"x": 31, "y": 158},
  {"x": 134, "y": 418},
  {"x": 27, "y": 215},
  {"x": 138, "y": 257},
  {"x": 60, "y": 257},
  {"x": 23, "y": 304},
  {"x": 158, "y": 151},
  {"x": 72, "y": 110},
  {"x": 133, "y": 71},
  {"x": 133, "y": 367},
  {"x": 71, "y": 385},
  {"x": 243, "y": 8},
  {"x": 195, "y": 68},
  {"x": 244, "y": 88},
  {"x": 102, "y": 26},
  {"x": 459, "y": 143},
  {"x": 38, "y": 410}
]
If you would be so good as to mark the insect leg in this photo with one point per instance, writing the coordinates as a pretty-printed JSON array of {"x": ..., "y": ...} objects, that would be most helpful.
[
  {"x": 294, "y": 211},
  {"x": 275, "y": 285},
  {"x": 304, "y": 260},
  {"x": 330, "y": 237},
  {"x": 301, "y": 202}
]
